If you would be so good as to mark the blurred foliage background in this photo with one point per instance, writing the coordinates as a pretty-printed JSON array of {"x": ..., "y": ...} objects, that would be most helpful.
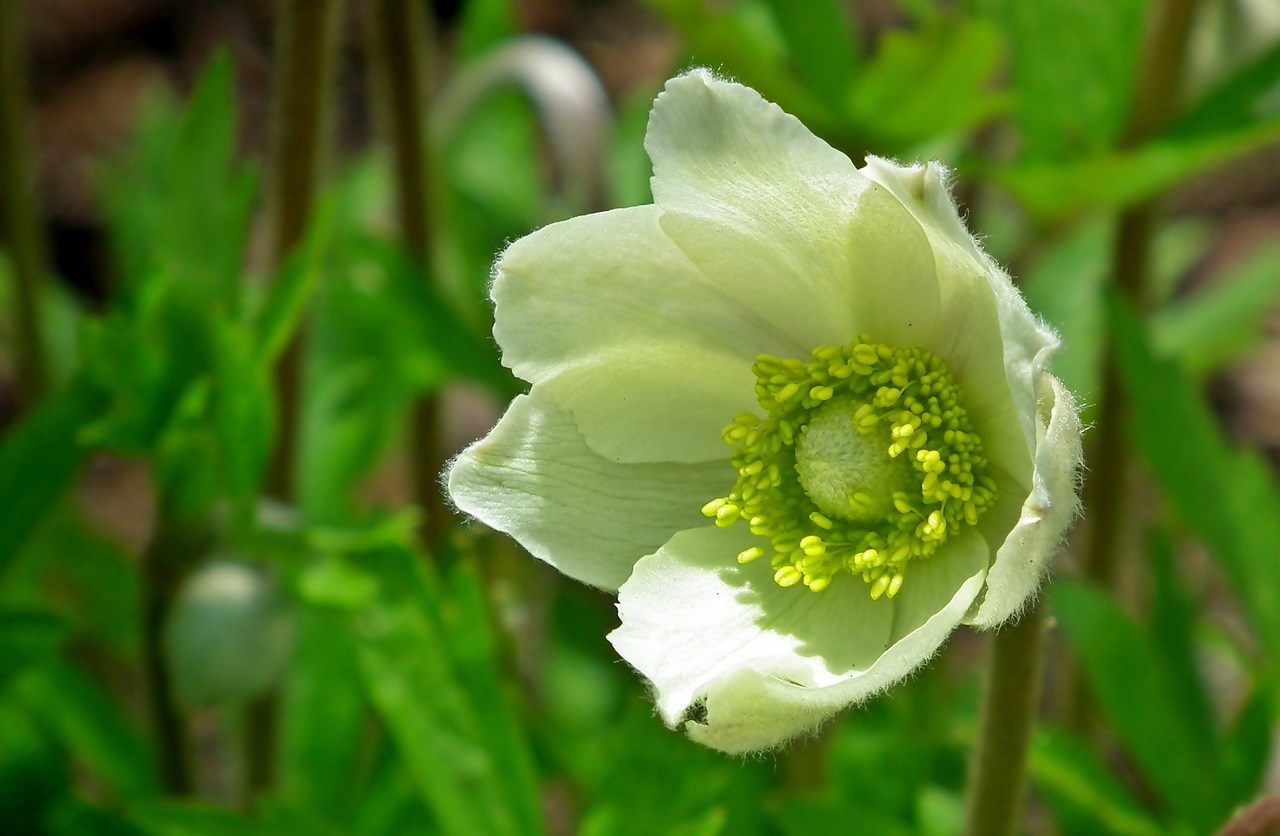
[{"x": 243, "y": 323}]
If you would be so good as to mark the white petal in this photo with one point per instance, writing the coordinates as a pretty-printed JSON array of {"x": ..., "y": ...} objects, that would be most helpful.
[
  {"x": 655, "y": 402},
  {"x": 985, "y": 324},
  {"x": 767, "y": 208},
  {"x": 534, "y": 478},
  {"x": 1024, "y": 559},
  {"x": 593, "y": 283},
  {"x": 767, "y": 663}
]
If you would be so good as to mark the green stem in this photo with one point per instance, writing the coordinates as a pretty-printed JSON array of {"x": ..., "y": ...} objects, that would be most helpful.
[
  {"x": 172, "y": 548},
  {"x": 306, "y": 43},
  {"x": 1011, "y": 692},
  {"x": 19, "y": 227},
  {"x": 1155, "y": 101},
  {"x": 399, "y": 34}
]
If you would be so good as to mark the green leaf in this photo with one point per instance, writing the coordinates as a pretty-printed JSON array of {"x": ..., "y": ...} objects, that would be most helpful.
[
  {"x": 1066, "y": 286},
  {"x": 742, "y": 40},
  {"x": 243, "y": 412},
  {"x": 325, "y": 717},
  {"x": 1248, "y": 97},
  {"x": 39, "y": 458},
  {"x": 1052, "y": 191},
  {"x": 1225, "y": 495},
  {"x": 926, "y": 82},
  {"x": 1246, "y": 748},
  {"x": 456, "y": 754},
  {"x": 179, "y": 205},
  {"x": 1223, "y": 322},
  {"x": 286, "y": 299},
  {"x": 1069, "y": 774},
  {"x": 76, "y": 714},
  {"x": 27, "y": 638},
  {"x": 820, "y": 45},
  {"x": 1074, "y": 64},
  {"x": 1142, "y": 704}
]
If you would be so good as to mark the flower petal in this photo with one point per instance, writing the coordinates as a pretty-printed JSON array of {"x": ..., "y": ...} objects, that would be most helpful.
[
  {"x": 985, "y": 325},
  {"x": 767, "y": 663},
  {"x": 533, "y": 477},
  {"x": 655, "y": 402},
  {"x": 770, "y": 210},
  {"x": 597, "y": 282},
  {"x": 1023, "y": 561}
]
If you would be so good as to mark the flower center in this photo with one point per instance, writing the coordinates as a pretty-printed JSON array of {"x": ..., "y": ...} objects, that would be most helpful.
[{"x": 865, "y": 460}]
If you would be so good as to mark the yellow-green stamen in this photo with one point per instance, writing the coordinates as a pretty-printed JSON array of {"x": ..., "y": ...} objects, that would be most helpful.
[{"x": 865, "y": 460}]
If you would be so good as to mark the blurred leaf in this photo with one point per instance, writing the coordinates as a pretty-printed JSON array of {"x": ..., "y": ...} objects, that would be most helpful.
[
  {"x": 742, "y": 40},
  {"x": 1225, "y": 495},
  {"x": 243, "y": 413},
  {"x": 1246, "y": 748},
  {"x": 82, "y": 720},
  {"x": 1173, "y": 620},
  {"x": 288, "y": 295},
  {"x": 448, "y": 745},
  {"x": 42, "y": 455},
  {"x": 64, "y": 570},
  {"x": 1052, "y": 191},
  {"x": 27, "y": 638},
  {"x": 1065, "y": 286},
  {"x": 484, "y": 25},
  {"x": 1224, "y": 321},
  {"x": 1248, "y": 97},
  {"x": 1145, "y": 709},
  {"x": 929, "y": 81},
  {"x": 1068, "y": 772},
  {"x": 325, "y": 731},
  {"x": 820, "y": 44},
  {"x": 33, "y": 772},
  {"x": 179, "y": 206},
  {"x": 1074, "y": 63},
  {"x": 174, "y": 818}
]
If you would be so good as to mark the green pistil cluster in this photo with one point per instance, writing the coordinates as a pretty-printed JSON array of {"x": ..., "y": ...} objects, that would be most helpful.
[{"x": 864, "y": 461}]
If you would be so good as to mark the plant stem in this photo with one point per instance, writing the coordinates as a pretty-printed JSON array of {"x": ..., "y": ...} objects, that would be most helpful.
[
  {"x": 399, "y": 34},
  {"x": 172, "y": 545},
  {"x": 1011, "y": 695},
  {"x": 306, "y": 44},
  {"x": 1155, "y": 101},
  {"x": 19, "y": 227}
]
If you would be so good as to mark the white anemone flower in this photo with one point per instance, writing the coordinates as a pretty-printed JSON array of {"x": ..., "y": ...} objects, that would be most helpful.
[{"x": 791, "y": 414}]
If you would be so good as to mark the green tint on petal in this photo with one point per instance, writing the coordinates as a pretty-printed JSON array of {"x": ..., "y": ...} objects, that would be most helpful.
[
  {"x": 766, "y": 663},
  {"x": 533, "y": 477},
  {"x": 994, "y": 343},
  {"x": 575, "y": 288},
  {"x": 654, "y": 402},
  {"x": 1023, "y": 561},
  {"x": 773, "y": 212}
]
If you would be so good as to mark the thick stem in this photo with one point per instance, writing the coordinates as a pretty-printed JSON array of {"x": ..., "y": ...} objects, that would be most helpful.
[
  {"x": 306, "y": 43},
  {"x": 1011, "y": 694},
  {"x": 19, "y": 226},
  {"x": 399, "y": 34}
]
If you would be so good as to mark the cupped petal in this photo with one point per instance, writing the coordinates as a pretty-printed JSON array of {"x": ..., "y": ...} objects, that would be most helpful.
[
  {"x": 655, "y": 402},
  {"x": 996, "y": 345},
  {"x": 534, "y": 477},
  {"x": 745, "y": 665},
  {"x": 576, "y": 288},
  {"x": 1023, "y": 561},
  {"x": 767, "y": 208}
]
